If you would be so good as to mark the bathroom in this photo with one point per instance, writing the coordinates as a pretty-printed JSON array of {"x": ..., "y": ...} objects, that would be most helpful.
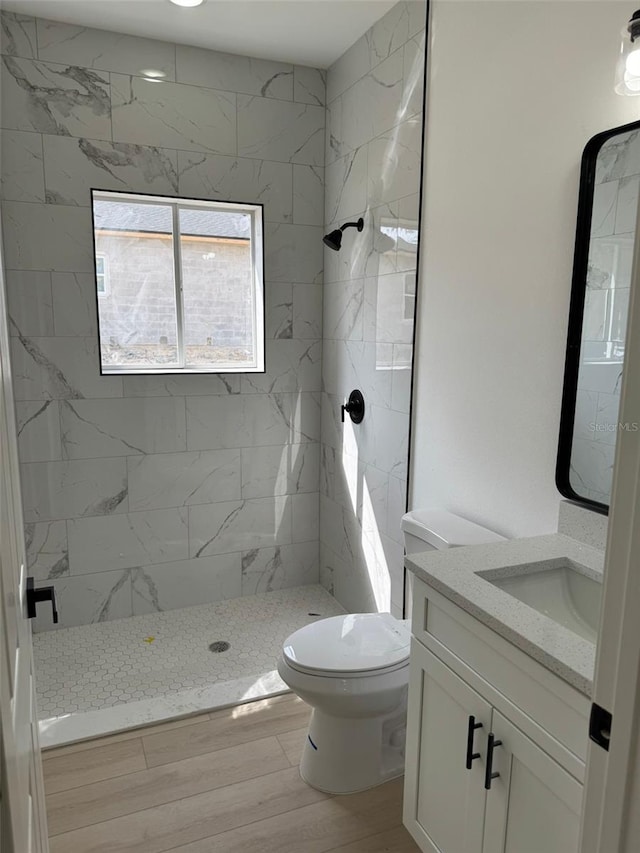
[{"x": 237, "y": 507}]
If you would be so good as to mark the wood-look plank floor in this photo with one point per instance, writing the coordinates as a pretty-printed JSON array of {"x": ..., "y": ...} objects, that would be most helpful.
[{"x": 216, "y": 783}]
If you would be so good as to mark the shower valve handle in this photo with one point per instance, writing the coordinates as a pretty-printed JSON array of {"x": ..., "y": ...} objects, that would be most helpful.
[
  {"x": 354, "y": 407},
  {"x": 43, "y": 593}
]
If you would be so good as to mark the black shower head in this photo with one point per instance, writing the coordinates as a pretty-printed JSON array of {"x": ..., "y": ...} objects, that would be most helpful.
[{"x": 334, "y": 239}]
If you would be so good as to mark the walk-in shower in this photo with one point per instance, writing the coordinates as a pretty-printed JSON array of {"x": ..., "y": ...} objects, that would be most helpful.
[
  {"x": 174, "y": 514},
  {"x": 99, "y": 678}
]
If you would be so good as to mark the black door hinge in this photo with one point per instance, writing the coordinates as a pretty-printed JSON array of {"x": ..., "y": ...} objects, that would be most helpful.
[{"x": 600, "y": 723}]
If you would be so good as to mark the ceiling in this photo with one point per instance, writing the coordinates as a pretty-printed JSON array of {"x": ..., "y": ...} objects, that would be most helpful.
[{"x": 305, "y": 32}]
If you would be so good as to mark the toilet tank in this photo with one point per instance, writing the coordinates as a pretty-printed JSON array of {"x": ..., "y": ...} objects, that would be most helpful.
[{"x": 436, "y": 529}]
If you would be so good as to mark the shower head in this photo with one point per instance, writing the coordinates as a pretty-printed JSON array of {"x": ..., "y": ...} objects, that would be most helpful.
[{"x": 334, "y": 239}]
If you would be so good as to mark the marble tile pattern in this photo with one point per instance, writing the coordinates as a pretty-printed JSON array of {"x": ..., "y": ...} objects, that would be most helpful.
[
  {"x": 614, "y": 211},
  {"x": 372, "y": 169},
  {"x": 93, "y": 679},
  {"x": 131, "y": 485}
]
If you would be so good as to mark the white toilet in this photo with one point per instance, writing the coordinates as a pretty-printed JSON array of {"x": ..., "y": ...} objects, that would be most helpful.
[{"x": 354, "y": 672}]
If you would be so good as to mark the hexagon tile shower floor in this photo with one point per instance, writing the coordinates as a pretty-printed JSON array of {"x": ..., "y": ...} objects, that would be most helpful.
[{"x": 103, "y": 677}]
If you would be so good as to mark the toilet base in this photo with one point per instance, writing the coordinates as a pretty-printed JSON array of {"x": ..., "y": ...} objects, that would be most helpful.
[{"x": 343, "y": 755}]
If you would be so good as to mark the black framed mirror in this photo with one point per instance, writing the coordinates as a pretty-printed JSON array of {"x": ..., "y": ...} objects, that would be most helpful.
[{"x": 605, "y": 235}]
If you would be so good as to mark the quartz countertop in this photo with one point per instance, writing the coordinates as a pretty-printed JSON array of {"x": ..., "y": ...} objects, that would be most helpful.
[{"x": 454, "y": 574}]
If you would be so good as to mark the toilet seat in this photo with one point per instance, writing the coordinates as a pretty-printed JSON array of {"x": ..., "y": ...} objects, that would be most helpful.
[
  {"x": 352, "y": 646},
  {"x": 337, "y": 673}
]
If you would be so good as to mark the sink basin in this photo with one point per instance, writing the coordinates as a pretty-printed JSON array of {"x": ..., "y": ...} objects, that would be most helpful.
[{"x": 562, "y": 592}]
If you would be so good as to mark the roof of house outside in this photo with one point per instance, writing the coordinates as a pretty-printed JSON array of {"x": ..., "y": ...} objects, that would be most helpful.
[{"x": 156, "y": 219}]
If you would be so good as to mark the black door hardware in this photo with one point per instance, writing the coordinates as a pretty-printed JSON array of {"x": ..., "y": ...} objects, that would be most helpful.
[
  {"x": 354, "y": 407},
  {"x": 489, "y": 775},
  {"x": 35, "y": 596},
  {"x": 471, "y": 755},
  {"x": 600, "y": 726}
]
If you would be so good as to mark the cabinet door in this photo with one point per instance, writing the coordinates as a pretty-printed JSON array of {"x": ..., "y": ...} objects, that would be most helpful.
[
  {"x": 443, "y": 802},
  {"x": 533, "y": 805}
]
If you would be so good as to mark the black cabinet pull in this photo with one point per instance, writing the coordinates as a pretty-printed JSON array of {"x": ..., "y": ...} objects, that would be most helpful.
[
  {"x": 489, "y": 774},
  {"x": 471, "y": 755},
  {"x": 43, "y": 593}
]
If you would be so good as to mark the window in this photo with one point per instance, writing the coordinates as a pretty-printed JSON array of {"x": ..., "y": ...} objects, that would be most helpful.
[
  {"x": 101, "y": 274},
  {"x": 179, "y": 284}
]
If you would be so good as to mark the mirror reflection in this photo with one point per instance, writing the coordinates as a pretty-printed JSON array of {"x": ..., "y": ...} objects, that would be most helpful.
[{"x": 598, "y": 316}]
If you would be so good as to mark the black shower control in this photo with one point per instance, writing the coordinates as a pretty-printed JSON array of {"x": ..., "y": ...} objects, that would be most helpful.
[{"x": 354, "y": 407}]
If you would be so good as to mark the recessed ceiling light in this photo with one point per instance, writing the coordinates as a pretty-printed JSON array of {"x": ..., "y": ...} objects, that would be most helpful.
[
  {"x": 153, "y": 73},
  {"x": 187, "y": 2}
]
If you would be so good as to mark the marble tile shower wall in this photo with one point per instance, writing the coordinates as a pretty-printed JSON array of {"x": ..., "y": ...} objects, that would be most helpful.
[
  {"x": 143, "y": 493},
  {"x": 373, "y": 159}
]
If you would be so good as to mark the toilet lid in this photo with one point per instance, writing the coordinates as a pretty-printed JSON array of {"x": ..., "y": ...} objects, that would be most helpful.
[{"x": 357, "y": 642}]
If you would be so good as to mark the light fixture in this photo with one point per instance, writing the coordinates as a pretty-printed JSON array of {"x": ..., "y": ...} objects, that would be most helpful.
[
  {"x": 153, "y": 75},
  {"x": 628, "y": 67},
  {"x": 187, "y": 2}
]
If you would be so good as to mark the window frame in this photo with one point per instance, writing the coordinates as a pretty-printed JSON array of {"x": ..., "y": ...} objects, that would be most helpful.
[
  {"x": 177, "y": 203},
  {"x": 104, "y": 274}
]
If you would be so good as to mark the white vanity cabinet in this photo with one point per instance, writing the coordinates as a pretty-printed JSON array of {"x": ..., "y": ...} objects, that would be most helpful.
[
  {"x": 444, "y": 801},
  {"x": 534, "y": 804},
  {"x": 454, "y": 802}
]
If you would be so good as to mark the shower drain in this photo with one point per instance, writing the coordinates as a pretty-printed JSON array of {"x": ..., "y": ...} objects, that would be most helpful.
[{"x": 219, "y": 646}]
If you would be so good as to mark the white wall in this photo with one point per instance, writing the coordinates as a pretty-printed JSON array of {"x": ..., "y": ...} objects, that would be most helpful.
[{"x": 516, "y": 89}]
